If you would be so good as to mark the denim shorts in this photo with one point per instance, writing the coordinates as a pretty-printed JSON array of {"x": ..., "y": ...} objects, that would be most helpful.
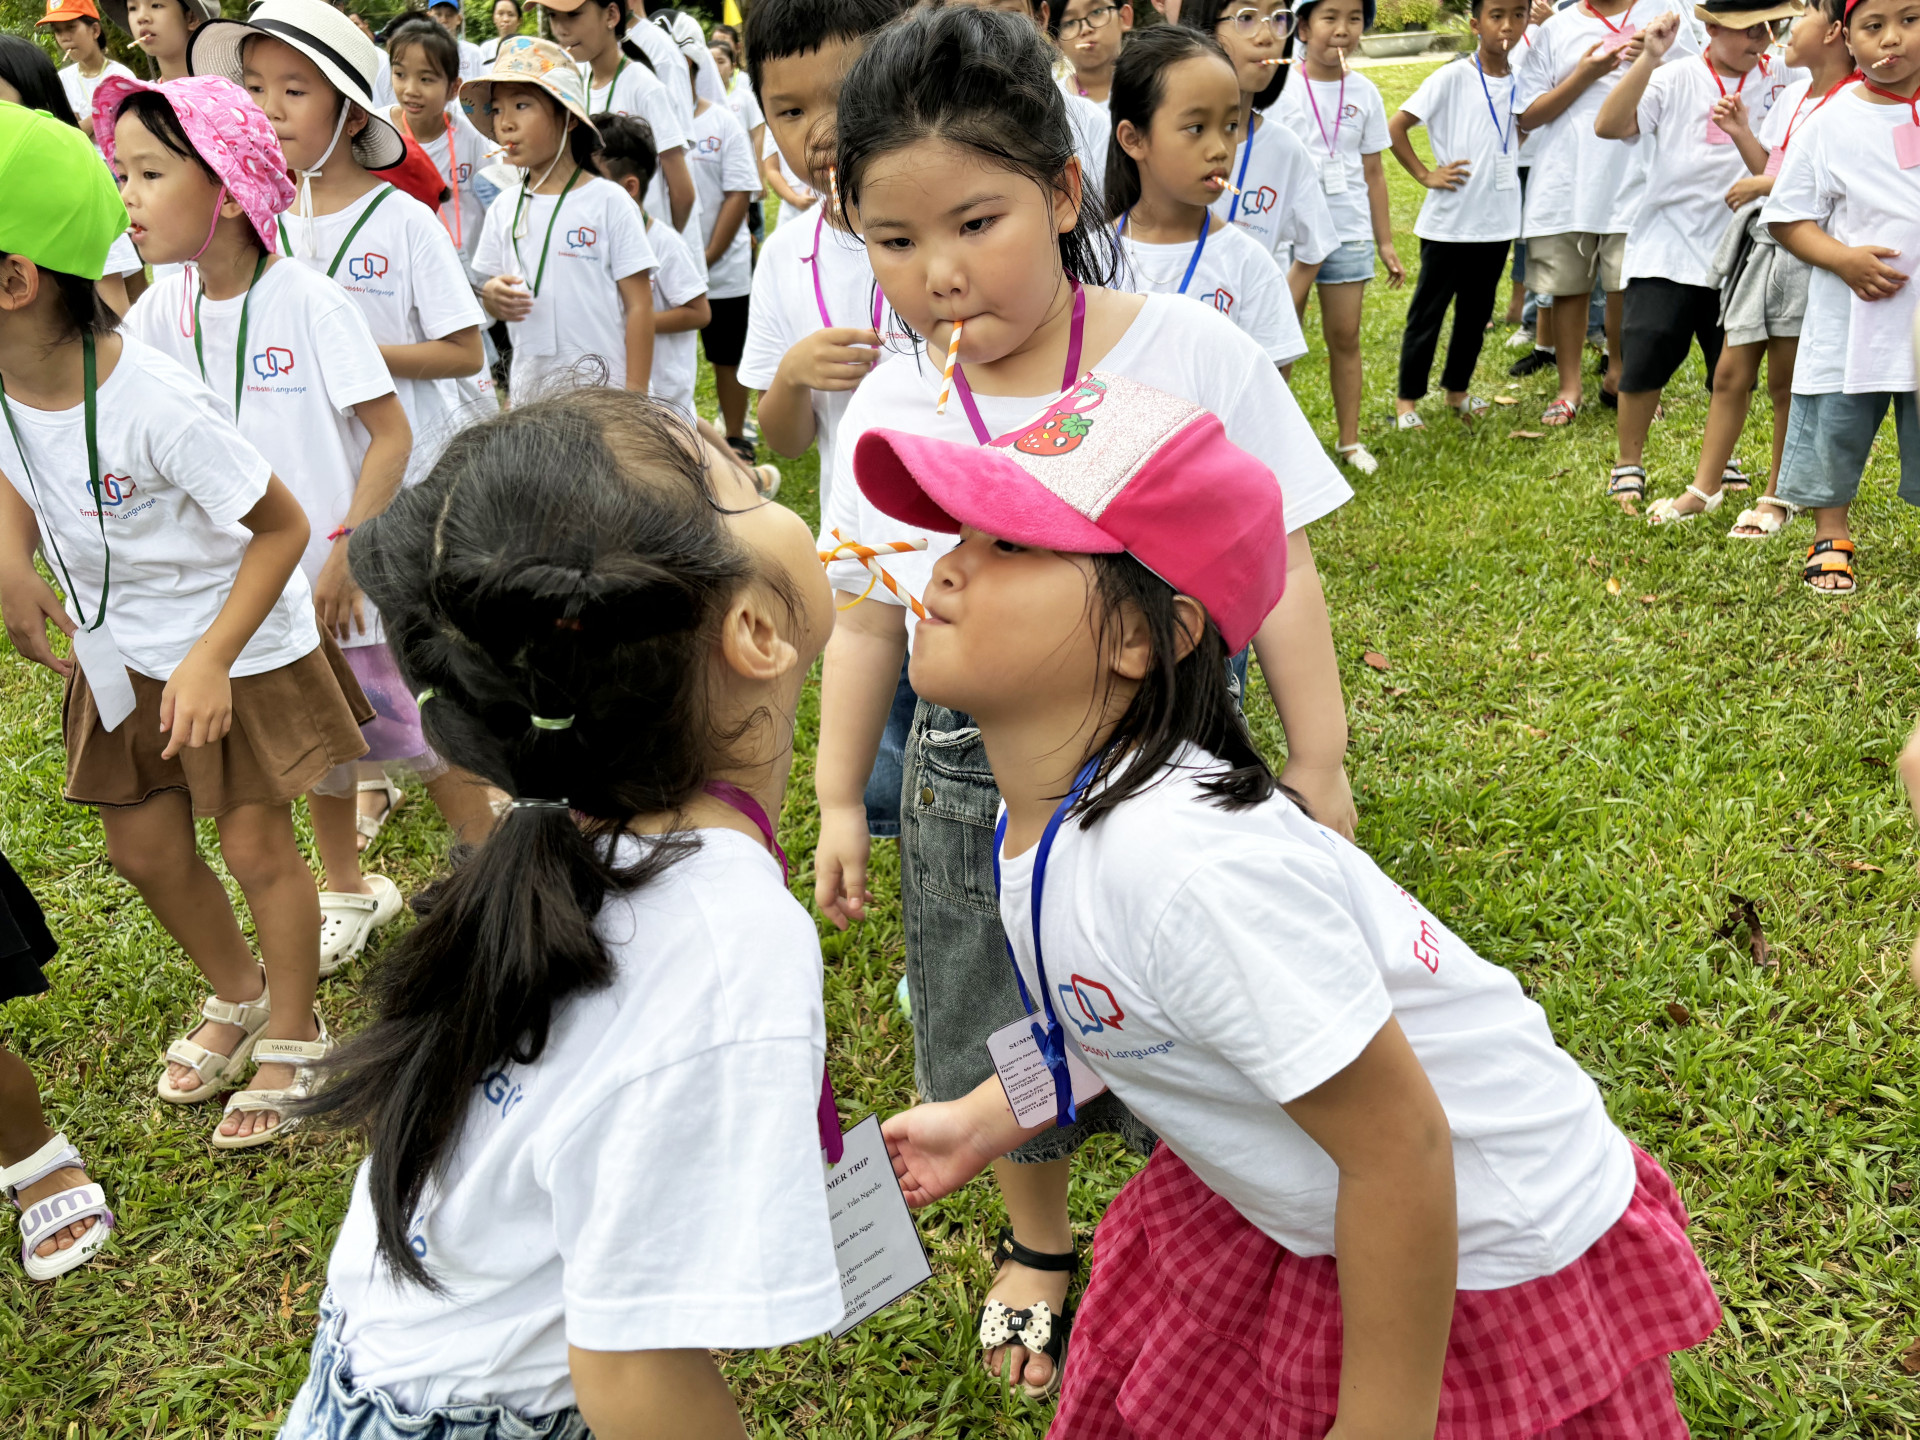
[
  {"x": 1828, "y": 437},
  {"x": 1352, "y": 261},
  {"x": 329, "y": 1407},
  {"x": 959, "y": 978},
  {"x": 882, "y": 796}
]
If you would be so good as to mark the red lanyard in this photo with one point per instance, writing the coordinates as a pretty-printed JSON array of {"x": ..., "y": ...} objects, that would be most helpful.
[
  {"x": 1912, "y": 102},
  {"x": 1612, "y": 28},
  {"x": 1798, "y": 120},
  {"x": 1708, "y": 62}
]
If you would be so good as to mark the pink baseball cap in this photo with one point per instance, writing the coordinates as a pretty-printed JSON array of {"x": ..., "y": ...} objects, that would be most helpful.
[
  {"x": 1111, "y": 466},
  {"x": 229, "y": 131}
]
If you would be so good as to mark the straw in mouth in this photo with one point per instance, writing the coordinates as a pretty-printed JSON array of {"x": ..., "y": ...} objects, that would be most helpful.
[{"x": 946, "y": 376}]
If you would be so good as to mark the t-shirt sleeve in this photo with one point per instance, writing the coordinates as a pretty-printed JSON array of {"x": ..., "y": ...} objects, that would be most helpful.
[
  {"x": 1264, "y": 966},
  {"x": 1801, "y": 191},
  {"x": 1534, "y": 76},
  {"x": 350, "y": 363},
  {"x": 656, "y": 107},
  {"x": 1654, "y": 101},
  {"x": 1306, "y": 222},
  {"x": 715, "y": 1232},
  {"x": 677, "y": 280},
  {"x": 769, "y": 335},
  {"x": 1373, "y": 131},
  {"x": 442, "y": 296},
  {"x": 205, "y": 454},
  {"x": 1262, "y": 292},
  {"x": 1427, "y": 96},
  {"x": 491, "y": 256},
  {"x": 629, "y": 251}
]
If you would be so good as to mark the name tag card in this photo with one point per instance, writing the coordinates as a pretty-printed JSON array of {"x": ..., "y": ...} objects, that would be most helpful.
[
  {"x": 1026, "y": 1079},
  {"x": 1333, "y": 175},
  {"x": 1906, "y": 145},
  {"x": 1618, "y": 40},
  {"x": 1776, "y": 157},
  {"x": 99, "y": 657},
  {"x": 1506, "y": 175},
  {"x": 1715, "y": 135},
  {"x": 875, "y": 1242}
]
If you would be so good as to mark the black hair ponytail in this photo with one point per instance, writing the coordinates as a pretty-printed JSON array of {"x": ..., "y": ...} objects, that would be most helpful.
[
  {"x": 1139, "y": 85},
  {"x": 981, "y": 80},
  {"x": 553, "y": 589}
]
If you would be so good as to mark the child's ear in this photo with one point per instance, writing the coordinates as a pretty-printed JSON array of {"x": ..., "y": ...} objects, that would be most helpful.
[
  {"x": 631, "y": 184},
  {"x": 1066, "y": 197},
  {"x": 1131, "y": 140},
  {"x": 19, "y": 282},
  {"x": 751, "y": 641}
]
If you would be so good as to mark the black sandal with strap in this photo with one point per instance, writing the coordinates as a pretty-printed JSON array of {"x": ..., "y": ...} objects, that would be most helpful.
[
  {"x": 1830, "y": 557},
  {"x": 1035, "y": 1328}
]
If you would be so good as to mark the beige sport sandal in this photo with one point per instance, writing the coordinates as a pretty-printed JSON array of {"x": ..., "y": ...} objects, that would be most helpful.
[
  {"x": 211, "y": 1069},
  {"x": 302, "y": 1054}
]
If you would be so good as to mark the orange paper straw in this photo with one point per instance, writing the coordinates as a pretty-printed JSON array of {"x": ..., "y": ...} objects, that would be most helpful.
[
  {"x": 946, "y": 376},
  {"x": 869, "y": 555}
]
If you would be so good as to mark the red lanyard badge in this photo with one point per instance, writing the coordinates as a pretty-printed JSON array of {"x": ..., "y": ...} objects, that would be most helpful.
[{"x": 1906, "y": 138}]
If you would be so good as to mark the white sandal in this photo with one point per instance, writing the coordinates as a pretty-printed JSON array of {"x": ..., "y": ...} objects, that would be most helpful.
[
  {"x": 1661, "y": 511},
  {"x": 1769, "y": 522},
  {"x": 301, "y": 1054},
  {"x": 1471, "y": 408},
  {"x": 1357, "y": 456},
  {"x": 53, "y": 1213},
  {"x": 368, "y": 826},
  {"x": 213, "y": 1069},
  {"x": 348, "y": 920},
  {"x": 1409, "y": 420}
]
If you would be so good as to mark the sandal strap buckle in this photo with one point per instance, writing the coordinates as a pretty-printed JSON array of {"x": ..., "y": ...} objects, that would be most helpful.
[{"x": 57, "y": 1154}]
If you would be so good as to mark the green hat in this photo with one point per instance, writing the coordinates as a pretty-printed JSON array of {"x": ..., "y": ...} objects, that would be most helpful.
[{"x": 63, "y": 211}]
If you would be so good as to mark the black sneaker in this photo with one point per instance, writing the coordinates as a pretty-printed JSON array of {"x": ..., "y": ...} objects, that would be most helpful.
[
  {"x": 742, "y": 447},
  {"x": 1600, "y": 364},
  {"x": 1534, "y": 361}
]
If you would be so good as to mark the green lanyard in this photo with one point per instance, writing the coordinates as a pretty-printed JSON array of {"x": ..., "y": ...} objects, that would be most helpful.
[
  {"x": 93, "y": 482},
  {"x": 341, "y": 253},
  {"x": 541, "y": 274},
  {"x": 610, "y": 84},
  {"x": 239, "y": 346}
]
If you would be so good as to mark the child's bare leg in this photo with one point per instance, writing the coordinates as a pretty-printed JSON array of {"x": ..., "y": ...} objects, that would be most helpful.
[
  {"x": 466, "y": 802},
  {"x": 1568, "y": 319},
  {"x": 338, "y": 842},
  {"x": 1636, "y": 418},
  {"x": 1830, "y": 523},
  {"x": 1036, "y": 1201},
  {"x": 1780, "y": 357},
  {"x": 1733, "y": 381},
  {"x": 1340, "y": 307},
  {"x": 733, "y": 399},
  {"x": 23, "y": 1130}
]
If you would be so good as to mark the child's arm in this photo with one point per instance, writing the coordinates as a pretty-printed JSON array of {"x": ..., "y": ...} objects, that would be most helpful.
[
  {"x": 1748, "y": 187},
  {"x": 680, "y": 195},
  {"x": 693, "y": 315},
  {"x": 1449, "y": 176},
  {"x": 857, "y": 680},
  {"x": 836, "y": 359},
  {"x": 1730, "y": 114},
  {"x": 196, "y": 708},
  {"x": 339, "y": 604},
  {"x": 448, "y": 358},
  {"x": 1396, "y": 1235},
  {"x": 939, "y": 1146},
  {"x": 1863, "y": 267},
  {"x": 1295, "y": 648},
  {"x": 733, "y": 210},
  {"x": 27, "y": 601},
  {"x": 1376, "y": 174},
  {"x": 638, "y": 1394},
  {"x": 777, "y": 182},
  {"x": 1587, "y": 69},
  {"x": 1619, "y": 117},
  {"x": 636, "y": 294}
]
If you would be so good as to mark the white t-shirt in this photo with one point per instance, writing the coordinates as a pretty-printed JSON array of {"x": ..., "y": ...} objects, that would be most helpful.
[
  {"x": 123, "y": 259},
  {"x": 1281, "y": 202},
  {"x": 1466, "y": 122},
  {"x": 676, "y": 282},
  {"x": 461, "y": 220},
  {"x": 1791, "y": 104},
  {"x": 1173, "y": 345},
  {"x": 721, "y": 159},
  {"x": 1683, "y": 211},
  {"x": 1351, "y": 122},
  {"x": 1840, "y": 172},
  {"x": 669, "y": 65},
  {"x": 652, "y": 1182},
  {"x": 577, "y": 315},
  {"x": 1235, "y": 275},
  {"x": 410, "y": 285},
  {"x": 1092, "y": 132},
  {"x": 490, "y": 47},
  {"x": 80, "y": 89},
  {"x": 795, "y": 183},
  {"x": 785, "y": 308},
  {"x": 1577, "y": 177},
  {"x": 635, "y": 91},
  {"x": 1212, "y": 967},
  {"x": 746, "y": 109},
  {"x": 310, "y": 359},
  {"x": 177, "y": 478}
]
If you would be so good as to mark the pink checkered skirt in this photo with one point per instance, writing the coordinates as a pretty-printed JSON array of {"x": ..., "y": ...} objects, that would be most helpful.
[{"x": 1196, "y": 1323}]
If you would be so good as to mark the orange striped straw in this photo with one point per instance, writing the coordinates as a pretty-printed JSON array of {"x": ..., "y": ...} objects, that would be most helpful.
[
  {"x": 946, "y": 377},
  {"x": 869, "y": 555}
]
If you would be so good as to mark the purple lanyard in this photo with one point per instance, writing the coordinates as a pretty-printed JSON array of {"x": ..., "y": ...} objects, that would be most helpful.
[
  {"x": 1076, "y": 331},
  {"x": 829, "y": 1114},
  {"x": 819, "y": 295},
  {"x": 1339, "y": 114},
  {"x": 1240, "y": 182}
]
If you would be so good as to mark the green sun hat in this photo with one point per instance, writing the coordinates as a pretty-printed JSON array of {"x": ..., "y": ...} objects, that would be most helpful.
[{"x": 63, "y": 211}]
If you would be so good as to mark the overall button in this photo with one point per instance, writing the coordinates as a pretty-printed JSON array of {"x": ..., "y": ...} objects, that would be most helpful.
[{"x": 926, "y": 795}]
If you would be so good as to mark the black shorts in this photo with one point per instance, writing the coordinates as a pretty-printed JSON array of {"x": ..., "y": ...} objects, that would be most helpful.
[
  {"x": 726, "y": 333},
  {"x": 1659, "y": 321},
  {"x": 25, "y": 943}
]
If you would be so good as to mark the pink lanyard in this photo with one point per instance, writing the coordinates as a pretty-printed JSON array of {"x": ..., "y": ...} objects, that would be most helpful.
[
  {"x": 829, "y": 1113},
  {"x": 1704, "y": 60},
  {"x": 1338, "y": 115},
  {"x": 1076, "y": 331},
  {"x": 820, "y": 295}
]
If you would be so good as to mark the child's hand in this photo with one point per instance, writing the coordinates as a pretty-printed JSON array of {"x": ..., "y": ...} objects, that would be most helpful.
[
  {"x": 1450, "y": 176},
  {"x": 1866, "y": 272},
  {"x": 936, "y": 1149},
  {"x": 1594, "y": 64},
  {"x": 506, "y": 297},
  {"x": 1327, "y": 793},
  {"x": 1541, "y": 12},
  {"x": 338, "y": 604},
  {"x": 1396, "y": 272},
  {"x": 840, "y": 865},
  {"x": 1748, "y": 188},
  {"x": 196, "y": 708},
  {"x": 836, "y": 359},
  {"x": 1730, "y": 113},
  {"x": 29, "y": 602},
  {"x": 805, "y": 201},
  {"x": 1655, "y": 38}
]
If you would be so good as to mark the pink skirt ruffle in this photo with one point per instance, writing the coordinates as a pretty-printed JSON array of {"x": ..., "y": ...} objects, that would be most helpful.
[
  {"x": 394, "y": 732},
  {"x": 1196, "y": 1323}
]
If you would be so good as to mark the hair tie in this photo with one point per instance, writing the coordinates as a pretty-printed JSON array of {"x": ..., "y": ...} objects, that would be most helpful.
[
  {"x": 420, "y": 700},
  {"x": 539, "y": 805},
  {"x": 540, "y": 722}
]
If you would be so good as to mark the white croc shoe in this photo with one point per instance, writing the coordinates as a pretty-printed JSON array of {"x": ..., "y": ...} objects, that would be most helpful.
[{"x": 348, "y": 920}]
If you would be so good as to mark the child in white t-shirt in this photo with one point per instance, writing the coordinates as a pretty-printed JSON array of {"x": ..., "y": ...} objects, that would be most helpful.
[
  {"x": 1847, "y": 201},
  {"x": 1398, "y": 1207},
  {"x": 727, "y": 177},
  {"x": 199, "y": 685},
  {"x": 1176, "y": 109},
  {"x": 424, "y": 63},
  {"x": 1341, "y": 118},
  {"x": 1471, "y": 211},
  {"x": 565, "y": 253},
  {"x": 1090, "y": 34},
  {"x": 75, "y": 27},
  {"x": 290, "y": 360},
  {"x": 1028, "y": 353},
  {"x": 796, "y": 197},
  {"x": 1696, "y": 133},
  {"x": 598, "y": 1156}
]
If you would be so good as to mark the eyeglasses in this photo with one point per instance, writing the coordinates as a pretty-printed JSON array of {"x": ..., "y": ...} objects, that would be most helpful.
[
  {"x": 1248, "y": 21},
  {"x": 1091, "y": 21}
]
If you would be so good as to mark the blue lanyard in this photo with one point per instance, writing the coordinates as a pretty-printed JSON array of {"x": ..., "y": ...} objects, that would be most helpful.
[
  {"x": 1052, "y": 1040},
  {"x": 1199, "y": 246},
  {"x": 1240, "y": 180},
  {"x": 1513, "y": 90}
]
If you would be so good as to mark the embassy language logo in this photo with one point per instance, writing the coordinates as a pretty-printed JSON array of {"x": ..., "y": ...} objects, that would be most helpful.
[
  {"x": 370, "y": 266},
  {"x": 1090, "y": 1005},
  {"x": 582, "y": 238},
  {"x": 272, "y": 361},
  {"x": 1221, "y": 300},
  {"x": 1260, "y": 201},
  {"x": 710, "y": 145},
  {"x": 116, "y": 489}
]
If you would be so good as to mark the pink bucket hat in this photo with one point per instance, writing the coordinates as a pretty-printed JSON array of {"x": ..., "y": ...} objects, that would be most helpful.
[
  {"x": 227, "y": 129},
  {"x": 1112, "y": 466}
]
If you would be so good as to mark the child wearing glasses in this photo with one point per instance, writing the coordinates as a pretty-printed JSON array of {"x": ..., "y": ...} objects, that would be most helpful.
[{"x": 1090, "y": 34}]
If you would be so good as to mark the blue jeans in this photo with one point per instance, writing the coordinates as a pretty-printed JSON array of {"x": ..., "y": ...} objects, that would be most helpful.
[
  {"x": 328, "y": 1406},
  {"x": 1828, "y": 437},
  {"x": 882, "y": 797}
]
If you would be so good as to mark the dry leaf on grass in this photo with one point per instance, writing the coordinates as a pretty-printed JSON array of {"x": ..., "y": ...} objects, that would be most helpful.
[
  {"x": 1910, "y": 1358},
  {"x": 1505, "y": 400},
  {"x": 1613, "y": 585},
  {"x": 1742, "y": 911},
  {"x": 1648, "y": 599},
  {"x": 1679, "y": 1013},
  {"x": 1526, "y": 434},
  {"x": 1376, "y": 660}
]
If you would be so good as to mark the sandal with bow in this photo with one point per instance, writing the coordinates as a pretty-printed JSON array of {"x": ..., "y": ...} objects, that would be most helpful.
[{"x": 1035, "y": 1328}]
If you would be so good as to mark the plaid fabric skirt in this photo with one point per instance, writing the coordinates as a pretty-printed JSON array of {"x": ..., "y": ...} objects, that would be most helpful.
[{"x": 1196, "y": 1323}]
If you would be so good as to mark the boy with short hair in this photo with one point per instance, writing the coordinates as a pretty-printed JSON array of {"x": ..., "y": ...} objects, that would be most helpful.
[
  {"x": 1847, "y": 201},
  {"x": 1697, "y": 123},
  {"x": 447, "y": 14},
  {"x": 76, "y": 30}
]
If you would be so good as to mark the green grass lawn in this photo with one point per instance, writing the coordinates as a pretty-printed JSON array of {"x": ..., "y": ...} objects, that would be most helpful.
[{"x": 1579, "y": 775}]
